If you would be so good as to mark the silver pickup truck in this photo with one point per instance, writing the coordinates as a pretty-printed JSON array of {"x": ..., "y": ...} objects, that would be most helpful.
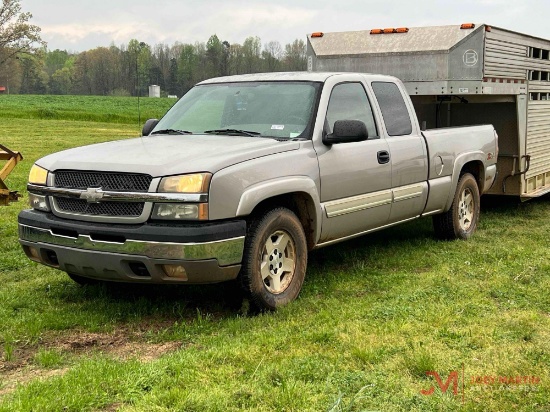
[{"x": 245, "y": 174}]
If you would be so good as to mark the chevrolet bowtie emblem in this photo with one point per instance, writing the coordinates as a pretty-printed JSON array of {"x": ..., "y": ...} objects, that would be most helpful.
[{"x": 92, "y": 194}]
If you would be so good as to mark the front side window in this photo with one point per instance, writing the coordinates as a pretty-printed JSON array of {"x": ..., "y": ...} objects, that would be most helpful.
[
  {"x": 266, "y": 109},
  {"x": 348, "y": 101}
]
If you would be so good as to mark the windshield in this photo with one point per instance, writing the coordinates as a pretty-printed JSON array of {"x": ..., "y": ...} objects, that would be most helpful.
[{"x": 282, "y": 110}]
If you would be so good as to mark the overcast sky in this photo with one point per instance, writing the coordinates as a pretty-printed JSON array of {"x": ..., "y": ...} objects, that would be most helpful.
[{"x": 79, "y": 25}]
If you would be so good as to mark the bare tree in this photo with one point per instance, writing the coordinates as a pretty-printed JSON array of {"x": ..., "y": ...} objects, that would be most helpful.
[{"x": 16, "y": 34}]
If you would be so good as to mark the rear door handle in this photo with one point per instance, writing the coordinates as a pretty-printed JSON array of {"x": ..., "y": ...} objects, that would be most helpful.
[{"x": 383, "y": 157}]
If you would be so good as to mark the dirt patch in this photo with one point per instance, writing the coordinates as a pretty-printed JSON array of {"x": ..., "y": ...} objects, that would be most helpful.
[{"x": 124, "y": 343}]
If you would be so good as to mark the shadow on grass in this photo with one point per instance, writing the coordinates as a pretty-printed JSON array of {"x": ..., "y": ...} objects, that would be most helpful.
[
  {"x": 227, "y": 299},
  {"x": 374, "y": 250}
]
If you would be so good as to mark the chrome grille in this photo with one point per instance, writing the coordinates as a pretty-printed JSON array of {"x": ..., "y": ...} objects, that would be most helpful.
[
  {"x": 122, "y": 182},
  {"x": 99, "y": 209}
]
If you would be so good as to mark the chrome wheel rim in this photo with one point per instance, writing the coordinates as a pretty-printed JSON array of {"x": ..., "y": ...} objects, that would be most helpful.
[
  {"x": 278, "y": 261},
  {"x": 466, "y": 207}
]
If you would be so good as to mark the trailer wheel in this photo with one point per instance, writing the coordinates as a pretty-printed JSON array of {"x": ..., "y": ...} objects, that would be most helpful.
[
  {"x": 460, "y": 221},
  {"x": 275, "y": 259}
]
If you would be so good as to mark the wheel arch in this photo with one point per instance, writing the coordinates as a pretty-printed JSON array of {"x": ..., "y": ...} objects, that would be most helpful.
[
  {"x": 299, "y": 194},
  {"x": 467, "y": 163}
]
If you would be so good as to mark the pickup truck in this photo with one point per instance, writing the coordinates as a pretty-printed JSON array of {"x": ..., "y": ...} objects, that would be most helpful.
[{"x": 245, "y": 174}]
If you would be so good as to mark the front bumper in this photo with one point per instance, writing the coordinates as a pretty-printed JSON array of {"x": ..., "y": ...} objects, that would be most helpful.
[{"x": 208, "y": 252}]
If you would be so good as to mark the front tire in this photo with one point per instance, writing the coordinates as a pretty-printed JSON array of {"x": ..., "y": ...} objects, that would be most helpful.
[
  {"x": 460, "y": 221},
  {"x": 275, "y": 259}
]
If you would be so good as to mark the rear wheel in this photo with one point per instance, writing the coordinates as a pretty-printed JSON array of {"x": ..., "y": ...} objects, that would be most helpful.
[
  {"x": 275, "y": 259},
  {"x": 460, "y": 221}
]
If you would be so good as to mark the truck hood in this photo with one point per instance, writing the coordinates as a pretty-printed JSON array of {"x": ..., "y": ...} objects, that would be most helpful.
[{"x": 166, "y": 155}]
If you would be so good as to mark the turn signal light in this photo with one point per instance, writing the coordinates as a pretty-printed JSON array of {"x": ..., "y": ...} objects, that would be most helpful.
[
  {"x": 468, "y": 26},
  {"x": 390, "y": 30}
]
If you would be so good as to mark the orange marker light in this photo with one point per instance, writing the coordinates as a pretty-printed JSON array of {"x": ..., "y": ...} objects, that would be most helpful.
[
  {"x": 402, "y": 30},
  {"x": 468, "y": 26},
  {"x": 376, "y": 31},
  {"x": 317, "y": 34},
  {"x": 389, "y": 30}
]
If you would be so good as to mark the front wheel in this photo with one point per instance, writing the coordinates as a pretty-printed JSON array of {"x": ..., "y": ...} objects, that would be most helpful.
[
  {"x": 460, "y": 221},
  {"x": 275, "y": 259}
]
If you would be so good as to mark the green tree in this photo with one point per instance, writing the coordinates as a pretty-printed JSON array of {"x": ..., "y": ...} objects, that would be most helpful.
[
  {"x": 55, "y": 60},
  {"x": 252, "y": 47},
  {"x": 271, "y": 56},
  {"x": 17, "y": 36},
  {"x": 34, "y": 80},
  {"x": 61, "y": 81},
  {"x": 295, "y": 56}
]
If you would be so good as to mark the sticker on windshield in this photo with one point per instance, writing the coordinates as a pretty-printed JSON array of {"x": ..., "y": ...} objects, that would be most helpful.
[{"x": 278, "y": 127}]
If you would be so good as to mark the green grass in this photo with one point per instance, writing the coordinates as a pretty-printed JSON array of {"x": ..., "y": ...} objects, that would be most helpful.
[
  {"x": 375, "y": 314},
  {"x": 83, "y": 108}
]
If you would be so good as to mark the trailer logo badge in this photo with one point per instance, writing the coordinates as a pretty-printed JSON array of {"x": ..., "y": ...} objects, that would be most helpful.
[
  {"x": 470, "y": 58},
  {"x": 92, "y": 194}
]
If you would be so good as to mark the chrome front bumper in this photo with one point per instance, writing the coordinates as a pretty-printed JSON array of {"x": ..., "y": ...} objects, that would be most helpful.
[{"x": 106, "y": 253}]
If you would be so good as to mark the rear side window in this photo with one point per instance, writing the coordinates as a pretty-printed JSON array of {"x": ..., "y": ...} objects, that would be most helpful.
[{"x": 394, "y": 110}]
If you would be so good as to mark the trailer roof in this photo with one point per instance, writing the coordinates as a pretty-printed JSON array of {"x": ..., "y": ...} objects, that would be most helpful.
[{"x": 418, "y": 39}]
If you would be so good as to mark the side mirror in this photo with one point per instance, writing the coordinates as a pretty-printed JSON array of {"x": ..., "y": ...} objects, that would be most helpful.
[
  {"x": 347, "y": 131},
  {"x": 148, "y": 127}
]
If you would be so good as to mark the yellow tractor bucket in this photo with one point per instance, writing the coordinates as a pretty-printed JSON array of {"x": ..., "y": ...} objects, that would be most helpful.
[{"x": 11, "y": 158}]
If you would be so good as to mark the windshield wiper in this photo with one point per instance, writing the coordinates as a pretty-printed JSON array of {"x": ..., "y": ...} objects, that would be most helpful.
[
  {"x": 171, "y": 131},
  {"x": 233, "y": 132}
]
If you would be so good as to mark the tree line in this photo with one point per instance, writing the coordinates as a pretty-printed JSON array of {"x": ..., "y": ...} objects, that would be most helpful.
[
  {"x": 129, "y": 69},
  {"x": 28, "y": 67}
]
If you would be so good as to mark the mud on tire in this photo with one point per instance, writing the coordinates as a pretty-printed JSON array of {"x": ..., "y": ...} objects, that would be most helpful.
[
  {"x": 275, "y": 259},
  {"x": 460, "y": 221}
]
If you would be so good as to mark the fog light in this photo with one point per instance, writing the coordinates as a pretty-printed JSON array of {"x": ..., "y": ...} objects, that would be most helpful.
[
  {"x": 33, "y": 254},
  {"x": 180, "y": 211},
  {"x": 39, "y": 202},
  {"x": 175, "y": 271}
]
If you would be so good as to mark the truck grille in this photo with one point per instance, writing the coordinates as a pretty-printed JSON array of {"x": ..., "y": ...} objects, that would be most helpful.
[
  {"x": 107, "y": 181},
  {"x": 99, "y": 209},
  {"x": 123, "y": 182}
]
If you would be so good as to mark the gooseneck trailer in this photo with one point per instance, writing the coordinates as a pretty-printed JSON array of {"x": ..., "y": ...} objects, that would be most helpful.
[{"x": 462, "y": 75}]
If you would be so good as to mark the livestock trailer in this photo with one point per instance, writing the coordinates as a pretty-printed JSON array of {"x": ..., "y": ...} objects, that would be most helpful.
[{"x": 462, "y": 75}]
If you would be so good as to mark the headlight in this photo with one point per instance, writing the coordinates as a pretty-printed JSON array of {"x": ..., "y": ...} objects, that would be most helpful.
[
  {"x": 38, "y": 175},
  {"x": 180, "y": 211},
  {"x": 195, "y": 183}
]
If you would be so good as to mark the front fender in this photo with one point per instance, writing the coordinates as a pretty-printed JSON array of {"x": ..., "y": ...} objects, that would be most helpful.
[{"x": 259, "y": 192}]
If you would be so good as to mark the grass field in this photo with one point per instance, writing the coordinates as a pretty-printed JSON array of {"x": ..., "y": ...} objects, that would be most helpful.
[
  {"x": 374, "y": 316},
  {"x": 83, "y": 108}
]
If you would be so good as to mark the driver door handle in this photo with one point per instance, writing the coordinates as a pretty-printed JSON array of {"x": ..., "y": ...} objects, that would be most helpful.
[{"x": 383, "y": 157}]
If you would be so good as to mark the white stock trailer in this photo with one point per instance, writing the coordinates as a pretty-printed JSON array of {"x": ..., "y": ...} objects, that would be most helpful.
[{"x": 462, "y": 75}]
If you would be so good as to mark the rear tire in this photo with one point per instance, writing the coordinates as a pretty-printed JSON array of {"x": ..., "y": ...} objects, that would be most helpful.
[
  {"x": 275, "y": 259},
  {"x": 460, "y": 221}
]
